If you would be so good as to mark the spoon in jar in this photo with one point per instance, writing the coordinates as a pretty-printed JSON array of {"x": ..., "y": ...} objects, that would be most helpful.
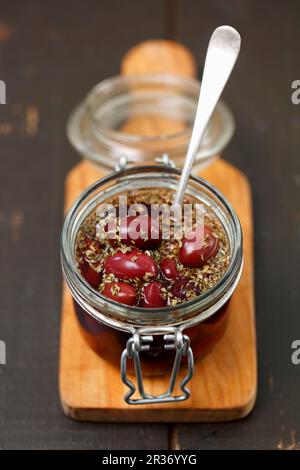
[{"x": 222, "y": 52}]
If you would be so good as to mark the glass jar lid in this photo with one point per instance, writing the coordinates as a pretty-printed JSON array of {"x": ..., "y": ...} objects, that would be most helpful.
[{"x": 144, "y": 117}]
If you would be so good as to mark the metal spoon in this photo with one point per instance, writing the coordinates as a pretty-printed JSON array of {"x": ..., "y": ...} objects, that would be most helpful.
[{"x": 222, "y": 52}]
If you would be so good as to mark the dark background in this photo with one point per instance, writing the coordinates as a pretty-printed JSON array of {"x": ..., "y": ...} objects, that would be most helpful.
[{"x": 51, "y": 54}]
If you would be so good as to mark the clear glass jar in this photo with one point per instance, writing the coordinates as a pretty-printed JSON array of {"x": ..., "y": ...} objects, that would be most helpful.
[
  {"x": 110, "y": 327},
  {"x": 144, "y": 117}
]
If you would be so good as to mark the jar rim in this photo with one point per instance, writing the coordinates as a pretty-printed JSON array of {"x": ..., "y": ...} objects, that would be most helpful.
[
  {"x": 165, "y": 79},
  {"x": 126, "y": 317},
  {"x": 104, "y": 145}
]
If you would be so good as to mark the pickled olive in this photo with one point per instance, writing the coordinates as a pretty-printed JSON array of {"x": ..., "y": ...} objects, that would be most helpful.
[
  {"x": 131, "y": 265},
  {"x": 169, "y": 269},
  {"x": 120, "y": 292},
  {"x": 90, "y": 275},
  {"x": 152, "y": 296},
  {"x": 198, "y": 248}
]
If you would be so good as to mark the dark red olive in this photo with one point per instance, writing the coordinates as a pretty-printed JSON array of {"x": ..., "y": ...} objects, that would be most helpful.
[
  {"x": 140, "y": 231},
  {"x": 152, "y": 296},
  {"x": 169, "y": 269},
  {"x": 183, "y": 287},
  {"x": 198, "y": 249},
  {"x": 120, "y": 292},
  {"x": 90, "y": 275},
  {"x": 130, "y": 265}
]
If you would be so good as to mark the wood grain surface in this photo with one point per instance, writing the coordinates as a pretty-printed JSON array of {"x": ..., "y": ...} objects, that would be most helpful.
[
  {"x": 224, "y": 384},
  {"x": 159, "y": 56}
]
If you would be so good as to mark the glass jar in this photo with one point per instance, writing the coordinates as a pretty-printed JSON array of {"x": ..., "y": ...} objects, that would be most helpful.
[
  {"x": 144, "y": 117},
  {"x": 148, "y": 336}
]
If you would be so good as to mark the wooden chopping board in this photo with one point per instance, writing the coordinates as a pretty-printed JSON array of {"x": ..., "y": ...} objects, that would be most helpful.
[{"x": 224, "y": 384}]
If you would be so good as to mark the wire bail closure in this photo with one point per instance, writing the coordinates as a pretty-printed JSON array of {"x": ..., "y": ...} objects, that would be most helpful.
[
  {"x": 163, "y": 160},
  {"x": 141, "y": 341}
]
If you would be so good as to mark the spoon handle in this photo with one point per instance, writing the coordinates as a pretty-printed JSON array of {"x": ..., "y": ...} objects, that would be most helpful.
[{"x": 222, "y": 52}]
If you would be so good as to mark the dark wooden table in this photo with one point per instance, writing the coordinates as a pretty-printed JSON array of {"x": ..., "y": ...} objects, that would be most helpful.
[{"x": 51, "y": 54}]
